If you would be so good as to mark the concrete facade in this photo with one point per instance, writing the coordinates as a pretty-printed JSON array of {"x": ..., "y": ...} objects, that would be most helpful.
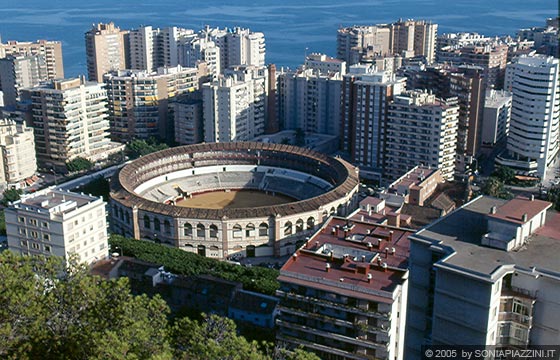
[{"x": 55, "y": 222}]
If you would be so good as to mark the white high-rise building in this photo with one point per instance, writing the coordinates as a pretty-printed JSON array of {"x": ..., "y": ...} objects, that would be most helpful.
[
  {"x": 496, "y": 116},
  {"x": 237, "y": 46},
  {"x": 20, "y": 71},
  {"x": 151, "y": 48},
  {"x": 17, "y": 160},
  {"x": 193, "y": 50},
  {"x": 486, "y": 274},
  {"x": 309, "y": 100},
  {"x": 421, "y": 130},
  {"x": 533, "y": 139},
  {"x": 235, "y": 105},
  {"x": 60, "y": 223},
  {"x": 366, "y": 94},
  {"x": 70, "y": 119}
]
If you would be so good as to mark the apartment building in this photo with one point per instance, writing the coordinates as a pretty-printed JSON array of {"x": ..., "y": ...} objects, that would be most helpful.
[
  {"x": 106, "y": 50},
  {"x": 365, "y": 96},
  {"x": 234, "y": 105},
  {"x": 496, "y": 117},
  {"x": 54, "y": 222},
  {"x": 309, "y": 99},
  {"x": 17, "y": 162},
  {"x": 139, "y": 101},
  {"x": 50, "y": 51},
  {"x": 486, "y": 274},
  {"x": 343, "y": 294},
  {"x": 533, "y": 139},
  {"x": 70, "y": 120},
  {"x": 187, "y": 115},
  {"x": 491, "y": 57},
  {"x": 466, "y": 83},
  {"x": 20, "y": 71},
  {"x": 151, "y": 48},
  {"x": 421, "y": 130},
  {"x": 408, "y": 38},
  {"x": 193, "y": 50},
  {"x": 325, "y": 64}
]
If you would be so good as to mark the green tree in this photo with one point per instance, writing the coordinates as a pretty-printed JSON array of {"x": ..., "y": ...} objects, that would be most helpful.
[
  {"x": 97, "y": 187},
  {"x": 11, "y": 195},
  {"x": 54, "y": 310},
  {"x": 505, "y": 174},
  {"x": 554, "y": 197},
  {"x": 495, "y": 187},
  {"x": 178, "y": 261},
  {"x": 78, "y": 164},
  {"x": 214, "y": 337},
  {"x": 137, "y": 148},
  {"x": 285, "y": 141}
]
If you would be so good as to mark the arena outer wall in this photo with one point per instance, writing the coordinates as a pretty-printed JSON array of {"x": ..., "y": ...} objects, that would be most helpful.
[{"x": 228, "y": 233}]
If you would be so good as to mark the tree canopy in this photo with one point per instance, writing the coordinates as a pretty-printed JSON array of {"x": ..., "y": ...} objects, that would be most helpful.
[
  {"x": 137, "y": 148},
  {"x": 11, "y": 195},
  {"x": 78, "y": 164},
  {"x": 495, "y": 187},
  {"x": 53, "y": 311},
  {"x": 56, "y": 310}
]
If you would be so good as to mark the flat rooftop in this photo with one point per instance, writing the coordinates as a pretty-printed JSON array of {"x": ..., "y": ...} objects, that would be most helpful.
[
  {"x": 414, "y": 177},
  {"x": 352, "y": 250},
  {"x": 54, "y": 201},
  {"x": 462, "y": 231}
]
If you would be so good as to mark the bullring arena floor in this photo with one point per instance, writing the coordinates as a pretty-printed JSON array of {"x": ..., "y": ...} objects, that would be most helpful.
[{"x": 233, "y": 199}]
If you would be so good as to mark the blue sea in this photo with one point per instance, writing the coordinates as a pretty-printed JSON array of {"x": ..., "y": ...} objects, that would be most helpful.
[{"x": 291, "y": 27}]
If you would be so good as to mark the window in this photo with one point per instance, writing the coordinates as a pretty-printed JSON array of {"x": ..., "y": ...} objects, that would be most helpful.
[
  {"x": 250, "y": 230},
  {"x": 310, "y": 223},
  {"x": 46, "y": 237},
  {"x": 157, "y": 225},
  {"x": 35, "y": 246},
  {"x": 33, "y": 222},
  {"x": 45, "y": 224},
  {"x": 167, "y": 227},
  {"x": 187, "y": 229},
  {"x": 21, "y": 219},
  {"x": 200, "y": 230},
  {"x": 213, "y": 231},
  {"x": 237, "y": 231},
  {"x": 299, "y": 225},
  {"x": 34, "y": 234},
  {"x": 288, "y": 228},
  {"x": 24, "y": 243},
  {"x": 22, "y": 231},
  {"x": 146, "y": 221},
  {"x": 263, "y": 229},
  {"x": 47, "y": 248}
]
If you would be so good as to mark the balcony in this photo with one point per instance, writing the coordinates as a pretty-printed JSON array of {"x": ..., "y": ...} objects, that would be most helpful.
[{"x": 359, "y": 341}]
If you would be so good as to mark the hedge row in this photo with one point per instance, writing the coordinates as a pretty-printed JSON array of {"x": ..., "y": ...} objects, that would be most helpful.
[{"x": 180, "y": 262}]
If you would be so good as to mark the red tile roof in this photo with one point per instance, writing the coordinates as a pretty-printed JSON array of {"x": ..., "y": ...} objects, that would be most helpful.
[{"x": 357, "y": 249}]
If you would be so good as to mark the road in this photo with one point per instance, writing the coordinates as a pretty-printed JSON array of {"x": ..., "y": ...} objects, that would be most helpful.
[{"x": 82, "y": 180}]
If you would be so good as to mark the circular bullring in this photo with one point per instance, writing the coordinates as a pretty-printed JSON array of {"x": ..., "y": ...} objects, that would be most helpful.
[{"x": 231, "y": 199}]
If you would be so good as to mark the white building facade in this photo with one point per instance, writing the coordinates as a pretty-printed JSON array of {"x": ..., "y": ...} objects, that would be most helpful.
[
  {"x": 56, "y": 222},
  {"x": 533, "y": 140},
  {"x": 234, "y": 106},
  {"x": 421, "y": 130},
  {"x": 18, "y": 161}
]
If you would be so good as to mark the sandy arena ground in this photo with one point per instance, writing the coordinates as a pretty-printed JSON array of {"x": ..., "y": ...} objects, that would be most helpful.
[{"x": 233, "y": 199}]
